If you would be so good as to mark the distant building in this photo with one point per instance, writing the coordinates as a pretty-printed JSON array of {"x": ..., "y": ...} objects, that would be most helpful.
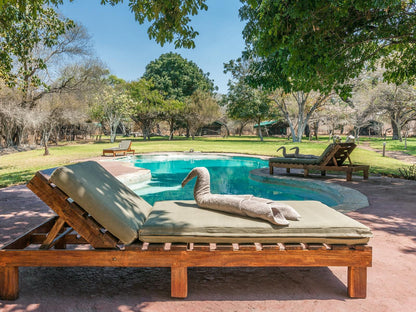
[
  {"x": 374, "y": 127},
  {"x": 273, "y": 127},
  {"x": 213, "y": 129}
]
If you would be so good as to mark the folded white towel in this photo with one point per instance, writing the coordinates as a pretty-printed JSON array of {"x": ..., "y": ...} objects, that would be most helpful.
[{"x": 246, "y": 205}]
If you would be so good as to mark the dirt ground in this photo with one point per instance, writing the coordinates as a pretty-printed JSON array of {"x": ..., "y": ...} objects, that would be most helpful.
[{"x": 391, "y": 280}]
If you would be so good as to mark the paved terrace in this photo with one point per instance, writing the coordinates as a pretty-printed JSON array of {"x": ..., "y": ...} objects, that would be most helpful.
[{"x": 391, "y": 281}]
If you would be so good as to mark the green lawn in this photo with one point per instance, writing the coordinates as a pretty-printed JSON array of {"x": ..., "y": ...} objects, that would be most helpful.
[
  {"x": 18, "y": 168},
  {"x": 394, "y": 145}
]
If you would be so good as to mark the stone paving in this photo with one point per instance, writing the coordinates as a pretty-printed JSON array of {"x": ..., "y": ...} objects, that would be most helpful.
[{"x": 391, "y": 215}]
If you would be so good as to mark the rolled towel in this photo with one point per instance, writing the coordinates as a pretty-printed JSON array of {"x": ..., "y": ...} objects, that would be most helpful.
[{"x": 245, "y": 205}]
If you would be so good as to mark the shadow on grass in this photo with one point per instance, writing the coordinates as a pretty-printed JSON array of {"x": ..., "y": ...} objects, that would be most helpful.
[{"x": 15, "y": 177}]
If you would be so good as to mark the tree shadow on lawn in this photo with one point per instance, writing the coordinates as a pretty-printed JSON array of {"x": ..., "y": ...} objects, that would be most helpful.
[{"x": 21, "y": 176}]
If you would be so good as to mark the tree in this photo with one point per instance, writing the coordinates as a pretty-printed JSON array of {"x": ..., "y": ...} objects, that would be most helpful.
[
  {"x": 31, "y": 46},
  {"x": 271, "y": 65},
  {"x": 176, "y": 77},
  {"x": 360, "y": 99},
  {"x": 247, "y": 104},
  {"x": 146, "y": 106},
  {"x": 111, "y": 107},
  {"x": 170, "y": 18},
  {"x": 305, "y": 103},
  {"x": 172, "y": 111},
  {"x": 337, "y": 114},
  {"x": 201, "y": 109},
  {"x": 23, "y": 31},
  {"x": 243, "y": 102},
  {"x": 398, "y": 102},
  {"x": 323, "y": 44}
]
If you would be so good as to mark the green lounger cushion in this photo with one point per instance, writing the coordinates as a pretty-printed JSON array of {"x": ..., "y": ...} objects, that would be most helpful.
[
  {"x": 184, "y": 221},
  {"x": 106, "y": 199},
  {"x": 301, "y": 161}
]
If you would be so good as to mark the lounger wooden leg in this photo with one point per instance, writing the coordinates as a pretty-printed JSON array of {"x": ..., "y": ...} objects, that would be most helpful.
[
  {"x": 271, "y": 169},
  {"x": 179, "y": 281},
  {"x": 357, "y": 282},
  {"x": 287, "y": 170},
  {"x": 365, "y": 174},
  {"x": 323, "y": 173},
  {"x": 305, "y": 172},
  {"x": 349, "y": 175},
  {"x": 9, "y": 283}
]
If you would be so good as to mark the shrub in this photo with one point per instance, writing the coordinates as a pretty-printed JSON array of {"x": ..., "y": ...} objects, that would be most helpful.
[{"x": 409, "y": 173}]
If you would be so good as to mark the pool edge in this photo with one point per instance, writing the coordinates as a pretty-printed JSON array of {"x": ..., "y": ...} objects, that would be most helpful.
[{"x": 348, "y": 198}]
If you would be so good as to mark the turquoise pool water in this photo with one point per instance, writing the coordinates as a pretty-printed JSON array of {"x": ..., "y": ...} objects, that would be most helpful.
[{"x": 229, "y": 175}]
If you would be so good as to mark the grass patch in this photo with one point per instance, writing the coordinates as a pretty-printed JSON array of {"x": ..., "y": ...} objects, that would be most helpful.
[
  {"x": 393, "y": 145},
  {"x": 18, "y": 168}
]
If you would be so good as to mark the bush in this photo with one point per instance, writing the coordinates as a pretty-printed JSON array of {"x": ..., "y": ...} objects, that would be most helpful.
[{"x": 409, "y": 173}]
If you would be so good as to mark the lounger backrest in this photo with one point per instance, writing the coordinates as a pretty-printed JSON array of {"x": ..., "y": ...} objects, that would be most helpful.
[
  {"x": 344, "y": 150},
  {"x": 337, "y": 151},
  {"x": 326, "y": 156},
  {"x": 106, "y": 199},
  {"x": 125, "y": 145}
]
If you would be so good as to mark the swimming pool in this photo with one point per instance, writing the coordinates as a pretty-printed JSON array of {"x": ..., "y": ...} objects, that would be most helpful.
[{"x": 229, "y": 175}]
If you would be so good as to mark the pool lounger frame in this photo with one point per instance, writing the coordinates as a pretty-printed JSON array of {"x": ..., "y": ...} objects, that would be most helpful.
[{"x": 73, "y": 226}]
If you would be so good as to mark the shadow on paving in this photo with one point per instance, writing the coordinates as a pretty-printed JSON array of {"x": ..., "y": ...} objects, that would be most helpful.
[
  {"x": 20, "y": 211},
  {"x": 89, "y": 287}
]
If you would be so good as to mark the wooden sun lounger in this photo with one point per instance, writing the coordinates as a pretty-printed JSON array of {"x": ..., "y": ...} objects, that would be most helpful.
[
  {"x": 333, "y": 160},
  {"x": 123, "y": 148},
  {"x": 55, "y": 240}
]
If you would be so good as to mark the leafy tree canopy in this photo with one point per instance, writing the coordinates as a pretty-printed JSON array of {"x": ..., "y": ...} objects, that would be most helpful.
[
  {"x": 320, "y": 45},
  {"x": 244, "y": 102},
  {"x": 21, "y": 33},
  {"x": 177, "y": 77},
  {"x": 169, "y": 18}
]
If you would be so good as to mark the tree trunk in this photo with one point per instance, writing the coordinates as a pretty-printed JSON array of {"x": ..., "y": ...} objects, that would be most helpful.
[
  {"x": 45, "y": 139},
  {"x": 316, "y": 129},
  {"x": 46, "y": 153},
  {"x": 171, "y": 126},
  {"x": 240, "y": 130},
  {"x": 259, "y": 129},
  {"x": 397, "y": 135}
]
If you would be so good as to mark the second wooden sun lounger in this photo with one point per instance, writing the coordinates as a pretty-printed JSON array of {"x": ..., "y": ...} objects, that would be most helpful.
[
  {"x": 93, "y": 208},
  {"x": 123, "y": 148},
  {"x": 332, "y": 159}
]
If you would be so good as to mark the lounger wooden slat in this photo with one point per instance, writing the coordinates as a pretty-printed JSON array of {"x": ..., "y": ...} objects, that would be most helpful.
[
  {"x": 179, "y": 247},
  {"x": 26, "y": 239},
  {"x": 59, "y": 223},
  {"x": 177, "y": 256},
  {"x": 201, "y": 247},
  {"x": 71, "y": 212}
]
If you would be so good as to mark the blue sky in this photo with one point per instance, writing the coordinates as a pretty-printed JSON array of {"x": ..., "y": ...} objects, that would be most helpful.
[{"x": 123, "y": 44}]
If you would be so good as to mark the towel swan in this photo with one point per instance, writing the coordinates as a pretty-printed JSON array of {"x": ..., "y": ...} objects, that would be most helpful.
[
  {"x": 296, "y": 153},
  {"x": 246, "y": 205}
]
